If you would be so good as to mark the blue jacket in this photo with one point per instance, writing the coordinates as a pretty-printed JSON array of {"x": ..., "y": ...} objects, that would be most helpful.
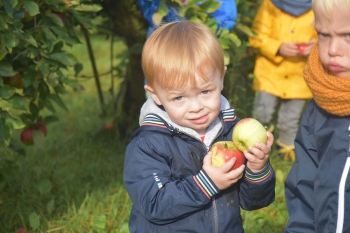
[
  {"x": 318, "y": 185},
  {"x": 225, "y": 15},
  {"x": 169, "y": 190}
]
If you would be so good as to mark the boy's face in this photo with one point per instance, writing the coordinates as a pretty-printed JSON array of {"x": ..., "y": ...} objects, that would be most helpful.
[
  {"x": 192, "y": 106},
  {"x": 334, "y": 40}
]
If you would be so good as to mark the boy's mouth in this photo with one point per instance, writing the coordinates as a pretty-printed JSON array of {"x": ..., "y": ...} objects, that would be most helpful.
[
  {"x": 334, "y": 67},
  {"x": 200, "y": 120}
]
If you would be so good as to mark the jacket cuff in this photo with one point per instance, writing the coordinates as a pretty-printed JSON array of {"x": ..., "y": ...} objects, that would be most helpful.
[
  {"x": 206, "y": 184},
  {"x": 260, "y": 176}
]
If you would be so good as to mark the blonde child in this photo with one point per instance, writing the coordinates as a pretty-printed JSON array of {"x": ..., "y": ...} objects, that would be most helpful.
[
  {"x": 318, "y": 185},
  {"x": 167, "y": 171}
]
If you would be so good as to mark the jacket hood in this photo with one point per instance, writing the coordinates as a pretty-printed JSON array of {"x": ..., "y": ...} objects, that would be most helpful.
[
  {"x": 150, "y": 107},
  {"x": 293, "y": 7}
]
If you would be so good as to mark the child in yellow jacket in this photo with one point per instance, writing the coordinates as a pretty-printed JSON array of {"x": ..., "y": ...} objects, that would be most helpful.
[{"x": 284, "y": 38}]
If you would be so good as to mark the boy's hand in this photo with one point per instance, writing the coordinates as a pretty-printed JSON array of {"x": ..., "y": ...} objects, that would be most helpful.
[
  {"x": 222, "y": 176},
  {"x": 258, "y": 155}
]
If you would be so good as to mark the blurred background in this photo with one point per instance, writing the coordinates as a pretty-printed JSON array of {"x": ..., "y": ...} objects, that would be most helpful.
[{"x": 71, "y": 88}]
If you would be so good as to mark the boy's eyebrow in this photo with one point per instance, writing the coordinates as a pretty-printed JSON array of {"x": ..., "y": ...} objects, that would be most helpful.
[{"x": 205, "y": 85}]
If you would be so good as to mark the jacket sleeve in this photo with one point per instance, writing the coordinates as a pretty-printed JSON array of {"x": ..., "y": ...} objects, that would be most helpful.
[
  {"x": 264, "y": 41},
  {"x": 257, "y": 190},
  {"x": 226, "y": 14},
  {"x": 158, "y": 196},
  {"x": 299, "y": 184}
]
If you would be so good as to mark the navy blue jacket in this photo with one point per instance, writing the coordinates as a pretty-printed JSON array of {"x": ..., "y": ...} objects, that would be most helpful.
[
  {"x": 318, "y": 185},
  {"x": 171, "y": 193}
]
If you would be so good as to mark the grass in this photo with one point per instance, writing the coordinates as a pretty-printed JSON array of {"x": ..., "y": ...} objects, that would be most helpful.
[{"x": 75, "y": 183}]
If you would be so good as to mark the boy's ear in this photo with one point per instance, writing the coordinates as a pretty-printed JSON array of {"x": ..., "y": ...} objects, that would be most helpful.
[{"x": 153, "y": 94}]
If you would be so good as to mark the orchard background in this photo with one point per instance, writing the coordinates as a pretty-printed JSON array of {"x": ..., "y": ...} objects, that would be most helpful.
[{"x": 71, "y": 87}]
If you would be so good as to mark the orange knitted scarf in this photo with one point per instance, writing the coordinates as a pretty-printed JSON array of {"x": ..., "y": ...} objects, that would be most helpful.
[{"x": 330, "y": 92}]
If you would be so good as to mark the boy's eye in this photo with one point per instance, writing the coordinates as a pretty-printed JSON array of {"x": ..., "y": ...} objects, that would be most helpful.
[
  {"x": 178, "y": 98},
  {"x": 205, "y": 92},
  {"x": 347, "y": 35},
  {"x": 320, "y": 34}
]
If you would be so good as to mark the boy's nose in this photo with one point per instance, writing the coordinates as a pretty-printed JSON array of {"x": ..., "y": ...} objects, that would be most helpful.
[
  {"x": 335, "y": 48},
  {"x": 195, "y": 105}
]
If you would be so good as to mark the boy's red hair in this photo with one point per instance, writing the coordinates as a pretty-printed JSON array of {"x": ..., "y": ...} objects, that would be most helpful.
[{"x": 176, "y": 52}]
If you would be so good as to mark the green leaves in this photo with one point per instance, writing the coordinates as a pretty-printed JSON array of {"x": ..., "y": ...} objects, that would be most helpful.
[
  {"x": 6, "y": 69},
  {"x": 34, "y": 220},
  {"x": 65, "y": 58},
  {"x": 44, "y": 186},
  {"x": 31, "y": 7},
  {"x": 9, "y": 5},
  {"x": 210, "y": 6},
  {"x": 26, "y": 37}
]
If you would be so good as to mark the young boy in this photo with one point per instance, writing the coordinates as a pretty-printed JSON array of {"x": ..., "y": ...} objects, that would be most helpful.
[
  {"x": 318, "y": 185},
  {"x": 168, "y": 172},
  {"x": 281, "y": 26}
]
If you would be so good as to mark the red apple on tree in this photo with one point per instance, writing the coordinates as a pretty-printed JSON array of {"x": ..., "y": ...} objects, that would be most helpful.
[
  {"x": 223, "y": 151},
  {"x": 27, "y": 133},
  {"x": 27, "y": 136},
  {"x": 41, "y": 127},
  {"x": 14, "y": 81},
  {"x": 247, "y": 132}
]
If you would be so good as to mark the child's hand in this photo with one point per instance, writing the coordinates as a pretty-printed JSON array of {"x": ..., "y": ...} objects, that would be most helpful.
[
  {"x": 289, "y": 49},
  {"x": 308, "y": 48},
  {"x": 222, "y": 176},
  {"x": 259, "y": 154}
]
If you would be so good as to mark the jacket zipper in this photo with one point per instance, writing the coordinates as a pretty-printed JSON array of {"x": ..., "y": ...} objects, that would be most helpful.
[
  {"x": 216, "y": 220},
  {"x": 341, "y": 198}
]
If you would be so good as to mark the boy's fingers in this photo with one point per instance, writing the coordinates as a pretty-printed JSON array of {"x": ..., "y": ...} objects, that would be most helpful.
[
  {"x": 207, "y": 159},
  {"x": 270, "y": 139},
  {"x": 228, "y": 165}
]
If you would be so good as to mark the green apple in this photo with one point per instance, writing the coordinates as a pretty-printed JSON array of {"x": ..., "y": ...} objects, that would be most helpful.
[
  {"x": 223, "y": 151},
  {"x": 247, "y": 132}
]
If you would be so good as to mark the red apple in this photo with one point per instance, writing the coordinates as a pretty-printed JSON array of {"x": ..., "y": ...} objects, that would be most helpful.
[
  {"x": 27, "y": 133},
  {"x": 302, "y": 47},
  {"x": 223, "y": 151},
  {"x": 108, "y": 126},
  {"x": 14, "y": 81},
  {"x": 41, "y": 127},
  {"x": 27, "y": 136},
  {"x": 22, "y": 230},
  {"x": 62, "y": 15}
]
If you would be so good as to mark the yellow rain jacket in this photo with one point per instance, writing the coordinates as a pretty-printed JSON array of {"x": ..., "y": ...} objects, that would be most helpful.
[{"x": 277, "y": 75}]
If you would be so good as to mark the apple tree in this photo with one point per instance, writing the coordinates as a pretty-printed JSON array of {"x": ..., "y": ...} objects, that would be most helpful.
[{"x": 33, "y": 38}]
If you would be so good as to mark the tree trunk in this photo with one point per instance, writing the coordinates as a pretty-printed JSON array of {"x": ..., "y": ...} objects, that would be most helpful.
[{"x": 129, "y": 23}]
